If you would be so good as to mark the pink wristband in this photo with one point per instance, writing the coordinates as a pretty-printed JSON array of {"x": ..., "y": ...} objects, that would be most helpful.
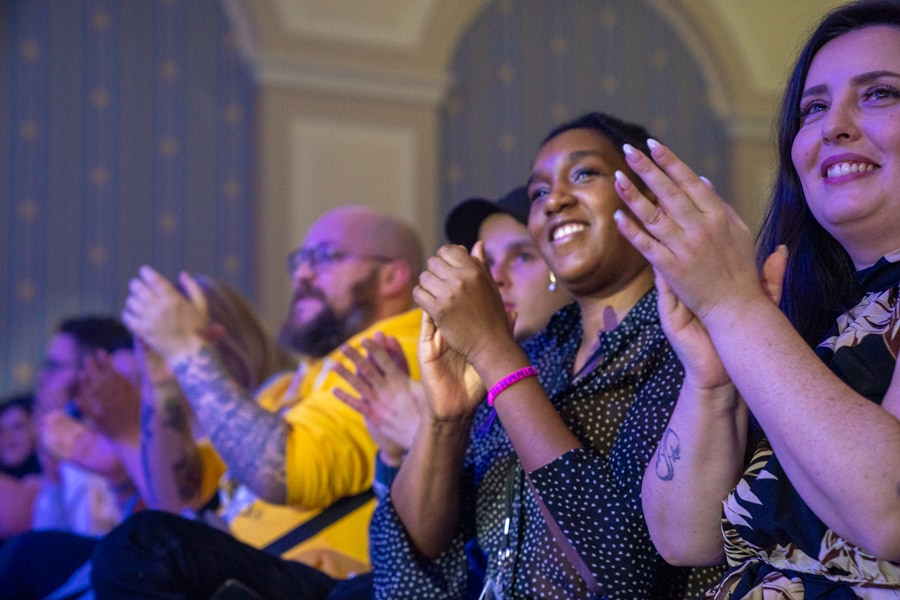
[{"x": 507, "y": 381}]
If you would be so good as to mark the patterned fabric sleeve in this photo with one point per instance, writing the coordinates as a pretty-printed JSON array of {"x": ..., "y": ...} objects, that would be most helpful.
[
  {"x": 384, "y": 477},
  {"x": 400, "y": 573},
  {"x": 595, "y": 499}
]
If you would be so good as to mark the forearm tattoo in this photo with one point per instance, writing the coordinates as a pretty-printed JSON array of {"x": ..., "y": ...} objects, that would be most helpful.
[
  {"x": 250, "y": 439},
  {"x": 147, "y": 440},
  {"x": 186, "y": 465},
  {"x": 167, "y": 422},
  {"x": 668, "y": 452}
]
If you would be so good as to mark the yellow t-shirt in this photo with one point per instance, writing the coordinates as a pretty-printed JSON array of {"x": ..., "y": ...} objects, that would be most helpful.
[{"x": 329, "y": 455}]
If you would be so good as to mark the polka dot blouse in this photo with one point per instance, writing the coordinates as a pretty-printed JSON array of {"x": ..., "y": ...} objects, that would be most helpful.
[{"x": 618, "y": 410}]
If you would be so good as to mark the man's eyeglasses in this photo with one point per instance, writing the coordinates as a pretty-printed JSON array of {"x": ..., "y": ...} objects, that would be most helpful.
[{"x": 326, "y": 256}]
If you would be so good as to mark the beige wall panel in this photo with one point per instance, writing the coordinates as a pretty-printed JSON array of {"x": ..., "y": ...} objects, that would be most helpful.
[
  {"x": 338, "y": 162},
  {"x": 319, "y": 151},
  {"x": 752, "y": 176}
]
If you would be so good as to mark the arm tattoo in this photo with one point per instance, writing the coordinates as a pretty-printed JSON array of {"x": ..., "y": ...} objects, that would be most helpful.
[
  {"x": 250, "y": 439},
  {"x": 166, "y": 423},
  {"x": 186, "y": 467},
  {"x": 147, "y": 413},
  {"x": 668, "y": 452}
]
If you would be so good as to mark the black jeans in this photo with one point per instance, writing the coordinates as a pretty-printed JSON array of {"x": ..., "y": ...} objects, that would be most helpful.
[
  {"x": 159, "y": 555},
  {"x": 35, "y": 563}
]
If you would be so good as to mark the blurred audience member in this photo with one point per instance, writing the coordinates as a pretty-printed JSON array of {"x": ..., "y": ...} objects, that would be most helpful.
[
  {"x": 171, "y": 460},
  {"x": 19, "y": 465},
  {"x": 74, "y": 498},
  {"x": 18, "y": 437}
]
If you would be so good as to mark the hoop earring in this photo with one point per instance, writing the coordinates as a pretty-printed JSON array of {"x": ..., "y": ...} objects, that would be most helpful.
[{"x": 552, "y": 286}]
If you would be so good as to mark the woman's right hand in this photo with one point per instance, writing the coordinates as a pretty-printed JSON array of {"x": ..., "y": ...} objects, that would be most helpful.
[
  {"x": 460, "y": 295},
  {"x": 688, "y": 335},
  {"x": 690, "y": 235}
]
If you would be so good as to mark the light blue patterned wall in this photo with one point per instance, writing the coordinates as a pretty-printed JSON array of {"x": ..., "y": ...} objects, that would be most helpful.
[
  {"x": 128, "y": 135},
  {"x": 127, "y": 139},
  {"x": 526, "y": 65}
]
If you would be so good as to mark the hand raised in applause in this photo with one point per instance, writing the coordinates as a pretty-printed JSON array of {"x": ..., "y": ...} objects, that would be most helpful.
[
  {"x": 687, "y": 334},
  {"x": 389, "y": 400},
  {"x": 462, "y": 298},
  {"x": 464, "y": 314},
  {"x": 167, "y": 321},
  {"x": 694, "y": 239},
  {"x": 109, "y": 399}
]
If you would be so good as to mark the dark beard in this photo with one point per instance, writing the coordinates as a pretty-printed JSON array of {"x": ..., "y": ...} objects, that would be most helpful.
[{"x": 327, "y": 330}]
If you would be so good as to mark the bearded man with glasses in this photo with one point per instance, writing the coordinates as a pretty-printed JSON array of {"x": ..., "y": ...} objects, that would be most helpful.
[{"x": 300, "y": 462}]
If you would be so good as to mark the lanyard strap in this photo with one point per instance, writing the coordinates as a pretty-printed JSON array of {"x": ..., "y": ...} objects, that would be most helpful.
[{"x": 505, "y": 558}]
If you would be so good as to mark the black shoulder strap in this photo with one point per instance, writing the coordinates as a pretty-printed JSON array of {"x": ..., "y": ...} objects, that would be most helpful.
[{"x": 302, "y": 532}]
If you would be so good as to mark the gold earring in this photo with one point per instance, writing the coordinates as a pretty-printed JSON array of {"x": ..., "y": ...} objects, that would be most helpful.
[{"x": 552, "y": 286}]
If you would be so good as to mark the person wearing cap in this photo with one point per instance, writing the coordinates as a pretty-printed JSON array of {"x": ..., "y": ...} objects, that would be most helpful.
[{"x": 387, "y": 397}]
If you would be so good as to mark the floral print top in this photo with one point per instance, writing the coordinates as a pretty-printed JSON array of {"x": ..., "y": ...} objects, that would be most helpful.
[{"x": 777, "y": 548}]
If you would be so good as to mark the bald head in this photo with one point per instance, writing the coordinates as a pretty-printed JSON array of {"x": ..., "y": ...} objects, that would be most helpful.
[{"x": 368, "y": 232}]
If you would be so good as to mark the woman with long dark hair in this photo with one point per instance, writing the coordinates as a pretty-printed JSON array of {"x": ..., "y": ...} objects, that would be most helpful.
[{"x": 810, "y": 475}]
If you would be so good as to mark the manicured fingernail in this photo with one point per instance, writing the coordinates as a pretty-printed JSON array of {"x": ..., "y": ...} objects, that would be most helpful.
[
  {"x": 618, "y": 215},
  {"x": 622, "y": 179},
  {"x": 706, "y": 181},
  {"x": 652, "y": 144},
  {"x": 629, "y": 150}
]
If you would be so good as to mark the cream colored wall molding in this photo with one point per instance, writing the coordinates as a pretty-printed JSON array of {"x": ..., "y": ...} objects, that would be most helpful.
[
  {"x": 382, "y": 84},
  {"x": 334, "y": 72},
  {"x": 710, "y": 58},
  {"x": 245, "y": 34},
  {"x": 394, "y": 24}
]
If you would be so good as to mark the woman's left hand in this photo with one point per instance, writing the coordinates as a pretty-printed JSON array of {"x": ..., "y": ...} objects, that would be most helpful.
[
  {"x": 702, "y": 366},
  {"x": 692, "y": 237}
]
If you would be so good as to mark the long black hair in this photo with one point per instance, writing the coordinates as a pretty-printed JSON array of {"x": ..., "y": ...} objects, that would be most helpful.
[{"x": 820, "y": 283}]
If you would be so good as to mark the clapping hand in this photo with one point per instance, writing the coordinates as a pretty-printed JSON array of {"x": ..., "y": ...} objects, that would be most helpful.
[
  {"x": 161, "y": 316},
  {"x": 701, "y": 251},
  {"x": 388, "y": 398},
  {"x": 109, "y": 399}
]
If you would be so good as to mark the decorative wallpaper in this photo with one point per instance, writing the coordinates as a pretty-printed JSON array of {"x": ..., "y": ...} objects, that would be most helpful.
[
  {"x": 128, "y": 135},
  {"x": 127, "y": 140},
  {"x": 525, "y": 66}
]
